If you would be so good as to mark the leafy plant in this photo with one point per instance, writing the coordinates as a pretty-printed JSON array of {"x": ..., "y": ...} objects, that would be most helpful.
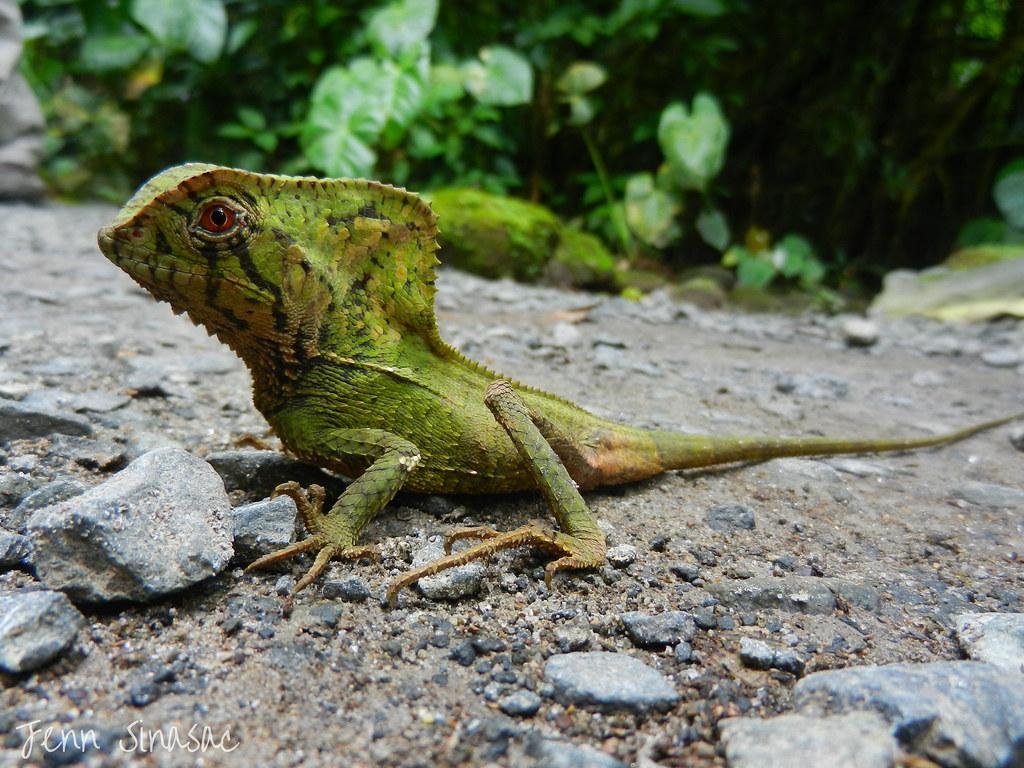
[
  {"x": 759, "y": 263},
  {"x": 1008, "y": 193}
]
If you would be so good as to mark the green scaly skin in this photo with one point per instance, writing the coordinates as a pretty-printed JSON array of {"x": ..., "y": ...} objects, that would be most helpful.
[{"x": 325, "y": 288}]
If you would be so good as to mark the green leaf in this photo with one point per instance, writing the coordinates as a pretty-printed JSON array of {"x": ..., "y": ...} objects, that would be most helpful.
[
  {"x": 402, "y": 25},
  {"x": 755, "y": 271},
  {"x": 694, "y": 142},
  {"x": 981, "y": 231},
  {"x": 651, "y": 212},
  {"x": 198, "y": 27},
  {"x": 713, "y": 228},
  {"x": 340, "y": 153},
  {"x": 581, "y": 77},
  {"x": 501, "y": 77},
  {"x": 1009, "y": 193},
  {"x": 109, "y": 53},
  {"x": 251, "y": 118}
]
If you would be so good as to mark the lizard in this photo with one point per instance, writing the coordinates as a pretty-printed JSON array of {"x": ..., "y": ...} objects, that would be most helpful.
[{"x": 325, "y": 289}]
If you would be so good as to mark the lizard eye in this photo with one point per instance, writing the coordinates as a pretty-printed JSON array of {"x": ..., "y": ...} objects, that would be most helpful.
[{"x": 217, "y": 218}]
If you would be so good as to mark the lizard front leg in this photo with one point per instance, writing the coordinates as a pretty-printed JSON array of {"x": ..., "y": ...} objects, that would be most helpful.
[
  {"x": 335, "y": 533},
  {"x": 579, "y": 542}
]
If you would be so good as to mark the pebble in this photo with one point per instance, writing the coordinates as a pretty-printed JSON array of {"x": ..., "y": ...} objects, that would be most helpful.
[
  {"x": 35, "y": 627},
  {"x": 659, "y": 630},
  {"x": 15, "y": 549},
  {"x": 757, "y": 654},
  {"x": 989, "y": 495},
  {"x": 51, "y": 493},
  {"x": 555, "y": 753},
  {"x": 860, "y": 332},
  {"x": 800, "y": 594},
  {"x": 350, "y": 590},
  {"x": 1017, "y": 438},
  {"x": 24, "y": 422},
  {"x": 959, "y": 714},
  {"x": 729, "y": 518},
  {"x": 520, "y": 704},
  {"x": 608, "y": 681},
  {"x": 621, "y": 556},
  {"x": 258, "y": 473},
  {"x": 452, "y": 584},
  {"x": 815, "y": 386},
  {"x": 158, "y": 526},
  {"x": 1002, "y": 358},
  {"x": 997, "y": 638},
  {"x": 855, "y": 740},
  {"x": 263, "y": 527}
]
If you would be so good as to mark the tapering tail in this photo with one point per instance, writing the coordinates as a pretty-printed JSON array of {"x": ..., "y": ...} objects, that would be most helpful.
[{"x": 680, "y": 451}]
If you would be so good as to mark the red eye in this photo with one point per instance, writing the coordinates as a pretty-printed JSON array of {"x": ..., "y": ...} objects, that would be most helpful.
[{"x": 217, "y": 218}]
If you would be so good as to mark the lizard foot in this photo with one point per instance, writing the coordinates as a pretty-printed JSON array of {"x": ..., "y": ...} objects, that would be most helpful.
[
  {"x": 329, "y": 542},
  {"x": 571, "y": 552}
]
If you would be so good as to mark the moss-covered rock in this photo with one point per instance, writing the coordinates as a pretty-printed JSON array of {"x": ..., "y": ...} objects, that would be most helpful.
[{"x": 497, "y": 236}]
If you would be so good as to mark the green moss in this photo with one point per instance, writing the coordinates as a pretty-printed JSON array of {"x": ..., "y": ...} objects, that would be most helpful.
[
  {"x": 980, "y": 255},
  {"x": 497, "y": 236}
]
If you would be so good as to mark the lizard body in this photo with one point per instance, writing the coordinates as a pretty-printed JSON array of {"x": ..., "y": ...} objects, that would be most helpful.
[{"x": 325, "y": 289}]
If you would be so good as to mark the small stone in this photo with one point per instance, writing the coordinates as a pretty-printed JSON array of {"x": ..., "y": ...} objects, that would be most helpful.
[
  {"x": 452, "y": 584},
  {"x": 799, "y": 594},
  {"x": 23, "y": 422},
  {"x": 15, "y": 550},
  {"x": 520, "y": 704},
  {"x": 263, "y": 527},
  {"x": 350, "y": 590},
  {"x": 683, "y": 653},
  {"x": 555, "y": 753},
  {"x": 156, "y": 527},
  {"x": 464, "y": 654},
  {"x": 860, "y": 332},
  {"x": 659, "y": 630},
  {"x": 997, "y": 638},
  {"x": 729, "y": 518},
  {"x": 51, "y": 493},
  {"x": 757, "y": 654},
  {"x": 258, "y": 473},
  {"x": 622, "y": 556},
  {"x": 35, "y": 627},
  {"x": 856, "y": 740},
  {"x": 688, "y": 572},
  {"x": 1002, "y": 358},
  {"x": 955, "y": 713},
  {"x": 91, "y": 454},
  {"x": 608, "y": 681},
  {"x": 815, "y": 386},
  {"x": 990, "y": 495},
  {"x": 1017, "y": 438}
]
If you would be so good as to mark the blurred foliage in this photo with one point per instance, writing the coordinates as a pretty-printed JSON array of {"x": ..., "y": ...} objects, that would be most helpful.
[{"x": 882, "y": 131}]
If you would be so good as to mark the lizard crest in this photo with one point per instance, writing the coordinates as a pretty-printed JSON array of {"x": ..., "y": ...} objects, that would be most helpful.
[{"x": 278, "y": 267}]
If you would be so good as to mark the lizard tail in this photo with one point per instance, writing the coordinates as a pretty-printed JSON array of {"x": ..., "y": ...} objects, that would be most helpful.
[{"x": 681, "y": 451}]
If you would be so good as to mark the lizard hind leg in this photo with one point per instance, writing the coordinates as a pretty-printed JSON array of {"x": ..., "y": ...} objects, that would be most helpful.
[{"x": 579, "y": 542}]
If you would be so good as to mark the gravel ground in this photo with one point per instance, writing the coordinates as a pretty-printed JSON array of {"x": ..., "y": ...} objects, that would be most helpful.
[{"x": 744, "y": 593}]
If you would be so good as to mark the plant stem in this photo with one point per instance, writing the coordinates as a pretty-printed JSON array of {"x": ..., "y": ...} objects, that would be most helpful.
[{"x": 618, "y": 222}]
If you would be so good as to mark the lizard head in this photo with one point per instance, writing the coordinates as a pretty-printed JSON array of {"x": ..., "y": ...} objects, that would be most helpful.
[{"x": 274, "y": 265}]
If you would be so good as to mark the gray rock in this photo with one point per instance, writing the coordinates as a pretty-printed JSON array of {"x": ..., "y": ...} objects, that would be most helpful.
[
  {"x": 990, "y": 495},
  {"x": 1002, "y": 358},
  {"x": 57, "y": 490},
  {"x": 729, "y": 518},
  {"x": 1017, "y": 438},
  {"x": 659, "y": 630},
  {"x": 258, "y": 473},
  {"x": 520, "y": 704},
  {"x": 15, "y": 550},
  {"x": 351, "y": 590},
  {"x": 757, "y": 654},
  {"x": 263, "y": 527},
  {"x": 608, "y": 681},
  {"x": 860, "y": 332},
  {"x": 789, "y": 593},
  {"x": 555, "y": 753},
  {"x": 621, "y": 556},
  {"x": 23, "y": 422},
  {"x": 453, "y": 584},
  {"x": 959, "y": 714},
  {"x": 92, "y": 454},
  {"x": 160, "y": 525},
  {"x": 816, "y": 386},
  {"x": 35, "y": 627},
  {"x": 856, "y": 740},
  {"x": 997, "y": 638}
]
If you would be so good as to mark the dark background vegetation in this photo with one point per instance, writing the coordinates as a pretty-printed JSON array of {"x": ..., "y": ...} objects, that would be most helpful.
[{"x": 874, "y": 129}]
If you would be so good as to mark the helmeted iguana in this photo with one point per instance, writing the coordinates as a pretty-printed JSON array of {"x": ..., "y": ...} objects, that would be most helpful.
[{"x": 325, "y": 288}]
